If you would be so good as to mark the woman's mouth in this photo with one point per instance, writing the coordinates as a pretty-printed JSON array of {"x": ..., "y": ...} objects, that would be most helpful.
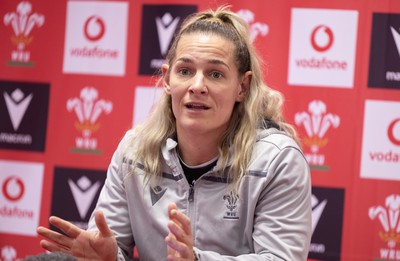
[{"x": 196, "y": 106}]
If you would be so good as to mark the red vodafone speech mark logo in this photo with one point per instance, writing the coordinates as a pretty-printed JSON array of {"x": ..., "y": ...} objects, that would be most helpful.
[
  {"x": 13, "y": 183},
  {"x": 390, "y": 132},
  {"x": 319, "y": 32},
  {"x": 94, "y": 28}
]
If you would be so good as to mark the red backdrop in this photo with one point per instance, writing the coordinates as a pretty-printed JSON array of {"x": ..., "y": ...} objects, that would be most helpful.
[{"x": 75, "y": 75}]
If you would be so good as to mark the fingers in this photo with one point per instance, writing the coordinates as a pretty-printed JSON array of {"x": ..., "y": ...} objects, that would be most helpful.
[
  {"x": 179, "y": 241},
  {"x": 168, "y": 240},
  {"x": 177, "y": 231},
  {"x": 101, "y": 224},
  {"x": 178, "y": 251},
  {"x": 177, "y": 246},
  {"x": 52, "y": 247},
  {"x": 171, "y": 206},
  {"x": 68, "y": 228},
  {"x": 63, "y": 241},
  {"x": 179, "y": 218}
]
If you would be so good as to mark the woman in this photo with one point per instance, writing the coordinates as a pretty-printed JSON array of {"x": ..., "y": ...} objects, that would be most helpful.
[{"x": 214, "y": 173}]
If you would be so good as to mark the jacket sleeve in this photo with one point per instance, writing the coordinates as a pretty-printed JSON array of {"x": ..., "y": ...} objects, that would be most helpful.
[
  {"x": 282, "y": 220},
  {"x": 112, "y": 201},
  {"x": 282, "y": 225}
]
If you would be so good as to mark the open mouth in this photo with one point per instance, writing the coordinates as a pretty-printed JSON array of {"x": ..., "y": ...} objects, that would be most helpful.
[{"x": 195, "y": 106}]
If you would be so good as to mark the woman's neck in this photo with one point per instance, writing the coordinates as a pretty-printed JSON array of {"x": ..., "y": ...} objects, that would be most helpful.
[{"x": 197, "y": 149}]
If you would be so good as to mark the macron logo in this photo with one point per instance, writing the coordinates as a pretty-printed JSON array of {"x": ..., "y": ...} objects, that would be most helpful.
[
  {"x": 396, "y": 37},
  {"x": 166, "y": 27},
  {"x": 17, "y": 105},
  {"x": 156, "y": 194},
  {"x": 83, "y": 192},
  {"x": 317, "y": 209}
]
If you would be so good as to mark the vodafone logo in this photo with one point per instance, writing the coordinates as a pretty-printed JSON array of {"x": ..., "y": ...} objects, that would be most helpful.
[
  {"x": 393, "y": 132},
  {"x": 20, "y": 199},
  {"x": 95, "y": 41},
  {"x": 94, "y": 28},
  {"x": 13, "y": 188},
  {"x": 322, "y": 47},
  {"x": 321, "y": 38},
  {"x": 381, "y": 140}
]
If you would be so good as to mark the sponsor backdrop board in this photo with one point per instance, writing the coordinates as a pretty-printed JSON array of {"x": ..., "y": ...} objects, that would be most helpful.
[{"x": 76, "y": 75}]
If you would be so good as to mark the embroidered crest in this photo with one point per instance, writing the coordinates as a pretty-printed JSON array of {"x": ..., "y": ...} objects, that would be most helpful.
[{"x": 231, "y": 205}]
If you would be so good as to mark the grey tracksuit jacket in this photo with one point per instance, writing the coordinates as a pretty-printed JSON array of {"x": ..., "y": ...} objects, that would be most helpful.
[{"x": 270, "y": 220}]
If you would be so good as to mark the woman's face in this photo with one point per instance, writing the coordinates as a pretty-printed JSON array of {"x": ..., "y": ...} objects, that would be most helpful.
[{"x": 204, "y": 83}]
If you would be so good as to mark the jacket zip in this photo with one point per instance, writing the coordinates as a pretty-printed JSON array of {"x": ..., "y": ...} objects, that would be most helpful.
[
  {"x": 191, "y": 210},
  {"x": 191, "y": 191}
]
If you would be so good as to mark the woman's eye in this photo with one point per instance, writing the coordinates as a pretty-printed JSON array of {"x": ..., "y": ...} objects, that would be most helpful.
[
  {"x": 216, "y": 75},
  {"x": 184, "y": 72}
]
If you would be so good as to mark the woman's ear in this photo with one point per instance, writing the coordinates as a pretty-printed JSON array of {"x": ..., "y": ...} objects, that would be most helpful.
[
  {"x": 244, "y": 86},
  {"x": 165, "y": 78}
]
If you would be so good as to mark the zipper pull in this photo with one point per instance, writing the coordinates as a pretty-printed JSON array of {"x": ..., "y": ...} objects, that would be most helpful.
[{"x": 191, "y": 191}]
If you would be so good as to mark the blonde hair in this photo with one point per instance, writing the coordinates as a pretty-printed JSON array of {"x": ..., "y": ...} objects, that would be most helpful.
[{"x": 260, "y": 104}]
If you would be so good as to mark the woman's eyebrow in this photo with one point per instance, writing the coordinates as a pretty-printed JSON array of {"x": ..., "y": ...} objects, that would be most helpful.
[
  {"x": 184, "y": 60},
  {"x": 218, "y": 62},
  {"x": 211, "y": 61}
]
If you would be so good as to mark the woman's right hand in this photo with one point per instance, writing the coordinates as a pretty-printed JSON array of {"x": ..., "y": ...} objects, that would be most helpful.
[{"x": 82, "y": 244}]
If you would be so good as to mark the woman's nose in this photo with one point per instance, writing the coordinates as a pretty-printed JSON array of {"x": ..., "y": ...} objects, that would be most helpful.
[{"x": 198, "y": 85}]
